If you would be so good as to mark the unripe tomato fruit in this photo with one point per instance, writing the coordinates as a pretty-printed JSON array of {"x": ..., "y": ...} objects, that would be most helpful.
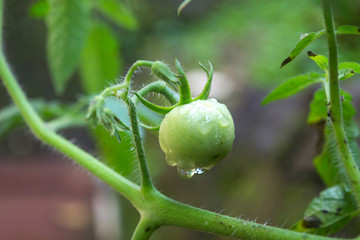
[{"x": 196, "y": 135}]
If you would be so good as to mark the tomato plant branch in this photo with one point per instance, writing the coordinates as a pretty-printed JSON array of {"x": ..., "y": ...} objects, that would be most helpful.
[
  {"x": 335, "y": 108},
  {"x": 40, "y": 129},
  {"x": 164, "y": 211}
]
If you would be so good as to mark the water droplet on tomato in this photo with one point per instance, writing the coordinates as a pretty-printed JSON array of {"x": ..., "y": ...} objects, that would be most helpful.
[
  {"x": 189, "y": 173},
  {"x": 224, "y": 122},
  {"x": 205, "y": 127}
]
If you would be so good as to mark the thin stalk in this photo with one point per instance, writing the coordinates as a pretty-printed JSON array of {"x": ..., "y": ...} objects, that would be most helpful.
[
  {"x": 110, "y": 90},
  {"x": 144, "y": 229},
  {"x": 146, "y": 182},
  {"x": 39, "y": 128},
  {"x": 335, "y": 108},
  {"x": 133, "y": 68},
  {"x": 126, "y": 84}
]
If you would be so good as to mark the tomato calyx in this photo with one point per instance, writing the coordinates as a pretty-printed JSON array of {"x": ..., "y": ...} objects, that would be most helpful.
[{"x": 184, "y": 89}]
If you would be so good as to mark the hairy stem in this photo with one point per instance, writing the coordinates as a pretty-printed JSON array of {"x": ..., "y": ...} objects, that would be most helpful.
[
  {"x": 112, "y": 90},
  {"x": 146, "y": 182},
  {"x": 133, "y": 68},
  {"x": 335, "y": 108},
  {"x": 165, "y": 211}
]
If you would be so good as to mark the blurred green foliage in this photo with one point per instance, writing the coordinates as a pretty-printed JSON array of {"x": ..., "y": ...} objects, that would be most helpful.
[{"x": 248, "y": 36}]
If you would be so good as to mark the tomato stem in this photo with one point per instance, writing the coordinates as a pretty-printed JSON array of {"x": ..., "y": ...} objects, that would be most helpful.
[
  {"x": 146, "y": 182},
  {"x": 335, "y": 107}
]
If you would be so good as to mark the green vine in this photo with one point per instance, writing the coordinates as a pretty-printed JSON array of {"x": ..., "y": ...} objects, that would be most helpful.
[{"x": 157, "y": 210}]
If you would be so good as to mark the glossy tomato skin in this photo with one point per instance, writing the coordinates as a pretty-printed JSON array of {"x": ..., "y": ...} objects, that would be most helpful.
[{"x": 197, "y": 135}]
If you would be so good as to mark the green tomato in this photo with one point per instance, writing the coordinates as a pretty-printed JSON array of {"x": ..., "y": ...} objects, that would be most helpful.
[{"x": 197, "y": 135}]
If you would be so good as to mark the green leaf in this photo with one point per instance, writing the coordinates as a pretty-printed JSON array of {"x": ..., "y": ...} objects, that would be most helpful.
[
  {"x": 308, "y": 38},
  {"x": 292, "y": 86},
  {"x": 345, "y": 73},
  {"x": 148, "y": 117},
  {"x": 206, "y": 91},
  {"x": 100, "y": 61},
  {"x": 10, "y": 116},
  {"x": 348, "y": 29},
  {"x": 329, "y": 212},
  {"x": 304, "y": 41},
  {"x": 318, "y": 107},
  {"x": 154, "y": 107},
  {"x": 320, "y": 60},
  {"x": 39, "y": 9},
  {"x": 328, "y": 161},
  {"x": 351, "y": 65},
  {"x": 67, "y": 23},
  {"x": 182, "y": 6},
  {"x": 117, "y": 155},
  {"x": 117, "y": 12}
]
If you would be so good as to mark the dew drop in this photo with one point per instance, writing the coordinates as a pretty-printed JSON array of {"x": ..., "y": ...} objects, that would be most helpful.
[
  {"x": 189, "y": 173},
  {"x": 217, "y": 138},
  {"x": 185, "y": 173},
  {"x": 223, "y": 122},
  {"x": 132, "y": 148},
  {"x": 199, "y": 171},
  {"x": 205, "y": 127}
]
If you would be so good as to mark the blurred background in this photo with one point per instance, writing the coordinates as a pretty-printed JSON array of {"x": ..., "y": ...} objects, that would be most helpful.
[{"x": 268, "y": 177}]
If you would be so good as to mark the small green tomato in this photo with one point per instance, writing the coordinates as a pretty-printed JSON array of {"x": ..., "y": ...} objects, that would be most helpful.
[{"x": 197, "y": 135}]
